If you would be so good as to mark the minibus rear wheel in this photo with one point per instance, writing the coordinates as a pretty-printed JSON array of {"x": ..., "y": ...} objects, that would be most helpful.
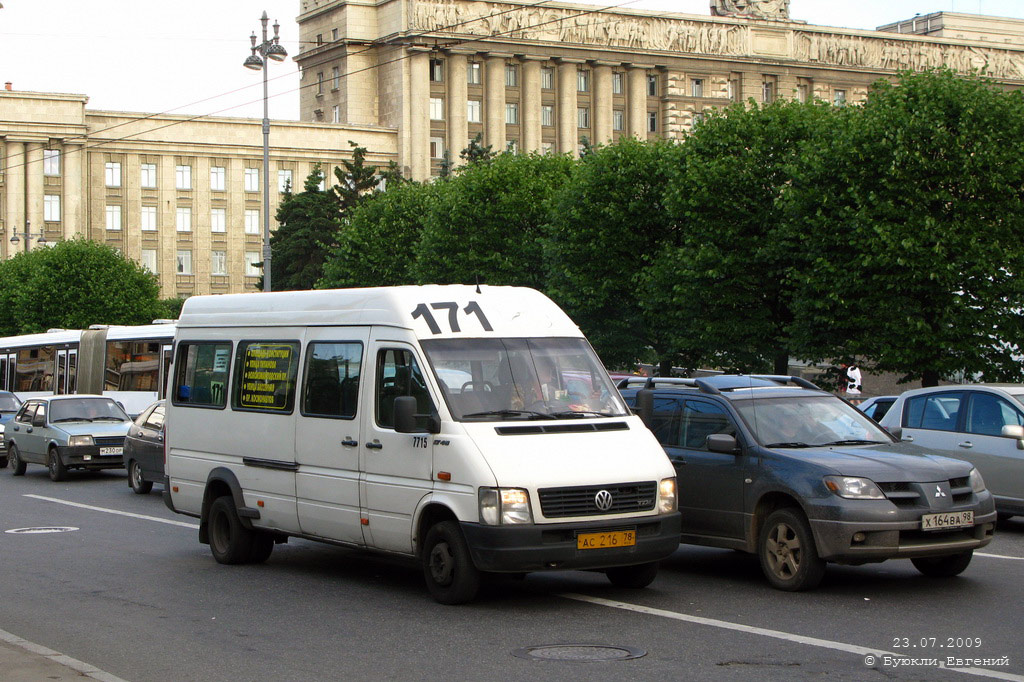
[
  {"x": 230, "y": 541},
  {"x": 447, "y": 565}
]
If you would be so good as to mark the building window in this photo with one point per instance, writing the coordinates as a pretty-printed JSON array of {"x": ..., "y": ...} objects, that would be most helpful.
[
  {"x": 768, "y": 92},
  {"x": 113, "y": 217},
  {"x": 547, "y": 115},
  {"x": 652, "y": 86},
  {"x": 511, "y": 75},
  {"x": 583, "y": 117},
  {"x": 652, "y": 121},
  {"x": 618, "y": 119},
  {"x": 184, "y": 262},
  {"x": 147, "y": 218},
  {"x": 51, "y": 208},
  {"x": 698, "y": 118},
  {"x": 436, "y": 108},
  {"x": 218, "y": 220},
  {"x": 696, "y": 87},
  {"x": 113, "y": 174},
  {"x": 547, "y": 78},
  {"x": 473, "y": 73},
  {"x": 147, "y": 175},
  {"x": 547, "y": 147},
  {"x": 149, "y": 260},
  {"x": 218, "y": 263},
  {"x": 252, "y": 221},
  {"x": 436, "y": 70},
  {"x": 511, "y": 146},
  {"x": 436, "y": 147},
  {"x": 839, "y": 98},
  {"x": 251, "y": 267},
  {"x": 319, "y": 39},
  {"x": 284, "y": 179},
  {"x": 320, "y": 83},
  {"x": 473, "y": 110},
  {"x": 51, "y": 162},
  {"x": 734, "y": 89},
  {"x": 511, "y": 113},
  {"x": 183, "y": 177},
  {"x": 252, "y": 179},
  {"x": 583, "y": 80},
  {"x": 335, "y": 77},
  {"x": 183, "y": 219},
  {"x": 334, "y": 34},
  {"x": 336, "y": 114},
  {"x": 217, "y": 178},
  {"x": 617, "y": 79},
  {"x": 801, "y": 93}
]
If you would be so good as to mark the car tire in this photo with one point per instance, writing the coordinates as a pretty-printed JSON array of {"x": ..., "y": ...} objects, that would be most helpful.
[
  {"x": 17, "y": 463},
  {"x": 1003, "y": 517},
  {"x": 139, "y": 485},
  {"x": 943, "y": 566},
  {"x": 230, "y": 541},
  {"x": 789, "y": 557},
  {"x": 262, "y": 548},
  {"x": 448, "y": 568},
  {"x": 58, "y": 472},
  {"x": 3, "y": 461},
  {"x": 633, "y": 577}
]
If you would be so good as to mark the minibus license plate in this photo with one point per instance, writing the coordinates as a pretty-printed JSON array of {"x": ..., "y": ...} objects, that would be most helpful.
[
  {"x": 611, "y": 539},
  {"x": 111, "y": 451},
  {"x": 963, "y": 519}
]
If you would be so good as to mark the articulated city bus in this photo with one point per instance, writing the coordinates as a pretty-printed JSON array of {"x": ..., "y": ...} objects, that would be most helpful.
[{"x": 126, "y": 363}]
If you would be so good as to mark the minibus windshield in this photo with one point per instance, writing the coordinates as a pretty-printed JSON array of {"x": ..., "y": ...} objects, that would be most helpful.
[{"x": 511, "y": 379}]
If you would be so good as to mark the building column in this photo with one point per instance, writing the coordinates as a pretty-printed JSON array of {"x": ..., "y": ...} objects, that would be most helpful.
[
  {"x": 419, "y": 116},
  {"x": 14, "y": 179},
  {"x": 636, "y": 101},
  {"x": 457, "y": 132},
  {"x": 72, "y": 220},
  {"x": 34, "y": 188},
  {"x": 531, "y": 104},
  {"x": 494, "y": 101},
  {"x": 568, "y": 135},
  {"x": 602, "y": 103}
]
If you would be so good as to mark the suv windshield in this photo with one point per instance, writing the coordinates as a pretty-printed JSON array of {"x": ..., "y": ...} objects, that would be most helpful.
[
  {"x": 808, "y": 420},
  {"x": 86, "y": 409},
  {"x": 547, "y": 378}
]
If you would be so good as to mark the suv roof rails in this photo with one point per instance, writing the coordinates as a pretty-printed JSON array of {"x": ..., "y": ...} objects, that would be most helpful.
[
  {"x": 786, "y": 379},
  {"x": 651, "y": 382}
]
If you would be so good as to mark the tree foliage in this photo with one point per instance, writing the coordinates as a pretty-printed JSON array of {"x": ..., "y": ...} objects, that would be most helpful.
[{"x": 307, "y": 223}]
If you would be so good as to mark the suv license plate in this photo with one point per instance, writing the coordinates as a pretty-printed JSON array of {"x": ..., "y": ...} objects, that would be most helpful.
[
  {"x": 963, "y": 519},
  {"x": 609, "y": 540},
  {"x": 111, "y": 451}
]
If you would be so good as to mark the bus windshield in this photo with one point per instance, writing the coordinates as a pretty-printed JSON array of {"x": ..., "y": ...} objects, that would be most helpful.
[{"x": 545, "y": 378}]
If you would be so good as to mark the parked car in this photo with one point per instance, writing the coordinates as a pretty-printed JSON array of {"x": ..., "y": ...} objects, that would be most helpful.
[
  {"x": 774, "y": 466},
  {"x": 144, "y": 449},
  {"x": 67, "y": 432},
  {"x": 9, "y": 405},
  {"x": 979, "y": 423},
  {"x": 876, "y": 406}
]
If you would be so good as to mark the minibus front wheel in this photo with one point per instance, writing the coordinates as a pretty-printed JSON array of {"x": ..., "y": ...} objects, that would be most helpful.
[{"x": 447, "y": 565}]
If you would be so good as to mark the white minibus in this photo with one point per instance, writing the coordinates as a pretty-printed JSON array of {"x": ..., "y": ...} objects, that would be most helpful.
[{"x": 471, "y": 428}]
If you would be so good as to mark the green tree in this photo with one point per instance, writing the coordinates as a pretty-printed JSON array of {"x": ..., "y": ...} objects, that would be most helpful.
[
  {"x": 307, "y": 224},
  {"x": 356, "y": 180},
  {"x": 608, "y": 226},
  {"x": 476, "y": 152},
  {"x": 170, "y": 308},
  {"x": 916, "y": 222},
  {"x": 72, "y": 285}
]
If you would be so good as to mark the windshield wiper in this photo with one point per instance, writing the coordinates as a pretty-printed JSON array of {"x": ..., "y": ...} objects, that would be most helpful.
[
  {"x": 796, "y": 444},
  {"x": 581, "y": 413},
  {"x": 510, "y": 413},
  {"x": 856, "y": 441},
  {"x": 104, "y": 419},
  {"x": 70, "y": 419}
]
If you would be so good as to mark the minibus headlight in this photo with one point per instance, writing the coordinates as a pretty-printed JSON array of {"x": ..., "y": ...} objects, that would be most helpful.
[
  {"x": 977, "y": 482},
  {"x": 504, "y": 506},
  {"x": 79, "y": 441},
  {"x": 854, "y": 488},
  {"x": 667, "y": 496}
]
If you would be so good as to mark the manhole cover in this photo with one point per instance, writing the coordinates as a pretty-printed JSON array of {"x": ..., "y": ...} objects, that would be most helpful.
[
  {"x": 579, "y": 652},
  {"x": 42, "y": 529}
]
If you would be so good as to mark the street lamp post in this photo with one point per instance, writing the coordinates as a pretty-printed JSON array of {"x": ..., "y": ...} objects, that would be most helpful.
[
  {"x": 257, "y": 61},
  {"x": 40, "y": 237}
]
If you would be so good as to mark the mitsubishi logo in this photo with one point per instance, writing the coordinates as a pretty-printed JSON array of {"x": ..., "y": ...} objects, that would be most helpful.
[
  {"x": 938, "y": 491},
  {"x": 603, "y": 500}
]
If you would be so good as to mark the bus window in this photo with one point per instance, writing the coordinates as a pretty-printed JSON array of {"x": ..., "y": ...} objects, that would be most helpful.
[
  {"x": 132, "y": 366},
  {"x": 34, "y": 371}
]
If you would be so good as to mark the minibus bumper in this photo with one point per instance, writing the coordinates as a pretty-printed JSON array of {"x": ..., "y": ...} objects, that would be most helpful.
[{"x": 515, "y": 549}]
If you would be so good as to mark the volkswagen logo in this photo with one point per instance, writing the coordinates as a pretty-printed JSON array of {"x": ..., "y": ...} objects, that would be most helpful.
[
  {"x": 938, "y": 491},
  {"x": 603, "y": 500}
]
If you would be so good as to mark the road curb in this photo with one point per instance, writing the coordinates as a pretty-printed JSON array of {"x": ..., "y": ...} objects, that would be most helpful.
[{"x": 25, "y": 661}]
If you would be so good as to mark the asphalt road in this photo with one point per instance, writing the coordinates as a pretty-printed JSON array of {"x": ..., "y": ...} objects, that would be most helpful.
[{"x": 133, "y": 593}]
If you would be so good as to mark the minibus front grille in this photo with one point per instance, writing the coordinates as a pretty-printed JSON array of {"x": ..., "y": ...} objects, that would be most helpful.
[
  {"x": 527, "y": 429},
  {"x": 582, "y": 501}
]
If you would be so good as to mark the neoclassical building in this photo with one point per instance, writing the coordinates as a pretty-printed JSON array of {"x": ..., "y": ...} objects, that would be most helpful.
[{"x": 412, "y": 80}]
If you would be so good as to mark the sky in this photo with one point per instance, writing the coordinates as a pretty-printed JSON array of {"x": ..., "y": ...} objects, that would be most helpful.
[{"x": 186, "y": 57}]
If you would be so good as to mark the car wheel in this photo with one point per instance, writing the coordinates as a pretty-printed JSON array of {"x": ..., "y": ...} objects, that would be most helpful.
[
  {"x": 447, "y": 566},
  {"x": 140, "y": 486},
  {"x": 943, "y": 566},
  {"x": 17, "y": 463},
  {"x": 262, "y": 548},
  {"x": 230, "y": 541},
  {"x": 3, "y": 461},
  {"x": 787, "y": 552},
  {"x": 1003, "y": 517},
  {"x": 58, "y": 472},
  {"x": 633, "y": 577}
]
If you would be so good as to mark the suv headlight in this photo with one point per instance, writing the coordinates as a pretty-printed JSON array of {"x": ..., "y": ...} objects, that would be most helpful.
[
  {"x": 667, "y": 496},
  {"x": 853, "y": 488},
  {"x": 504, "y": 506},
  {"x": 976, "y": 481},
  {"x": 79, "y": 441}
]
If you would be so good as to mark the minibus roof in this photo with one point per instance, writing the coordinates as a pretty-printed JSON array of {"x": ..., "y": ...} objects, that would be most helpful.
[{"x": 428, "y": 310}]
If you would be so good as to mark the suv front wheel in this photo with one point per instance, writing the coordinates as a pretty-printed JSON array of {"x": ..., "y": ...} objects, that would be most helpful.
[{"x": 787, "y": 552}]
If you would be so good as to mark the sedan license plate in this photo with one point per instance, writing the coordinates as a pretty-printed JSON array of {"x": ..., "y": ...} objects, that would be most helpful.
[
  {"x": 961, "y": 519},
  {"x": 111, "y": 451},
  {"x": 608, "y": 540}
]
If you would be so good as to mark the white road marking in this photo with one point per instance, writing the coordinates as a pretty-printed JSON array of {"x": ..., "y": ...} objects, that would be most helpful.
[
  {"x": 169, "y": 522},
  {"x": 57, "y": 657},
  {"x": 777, "y": 634},
  {"x": 999, "y": 556}
]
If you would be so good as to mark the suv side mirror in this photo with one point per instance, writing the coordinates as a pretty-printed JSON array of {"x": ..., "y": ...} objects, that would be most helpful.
[
  {"x": 723, "y": 442},
  {"x": 896, "y": 431},
  {"x": 645, "y": 406},
  {"x": 405, "y": 417}
]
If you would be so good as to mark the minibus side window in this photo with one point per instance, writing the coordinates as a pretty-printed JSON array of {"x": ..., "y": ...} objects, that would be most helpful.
[
  {"x": 331, "y": 386},
  {"x": 201, "y": 374},
  {"x": 265, "y": 374},
  {"x": 398, "y": 374}
]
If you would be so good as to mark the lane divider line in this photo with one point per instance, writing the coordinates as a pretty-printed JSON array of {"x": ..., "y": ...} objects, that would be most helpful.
[
  {"x": 169, "y": 522},
  {"x": 999, "y": 556},
  {"x": 80, "y": 667},
  {"x": 775, "y": 634}
]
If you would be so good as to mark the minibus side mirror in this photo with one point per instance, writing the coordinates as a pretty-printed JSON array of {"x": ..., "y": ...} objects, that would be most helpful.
[
  {"x": 645, "y": 406},
  {"x": 405, "y": 417}
]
